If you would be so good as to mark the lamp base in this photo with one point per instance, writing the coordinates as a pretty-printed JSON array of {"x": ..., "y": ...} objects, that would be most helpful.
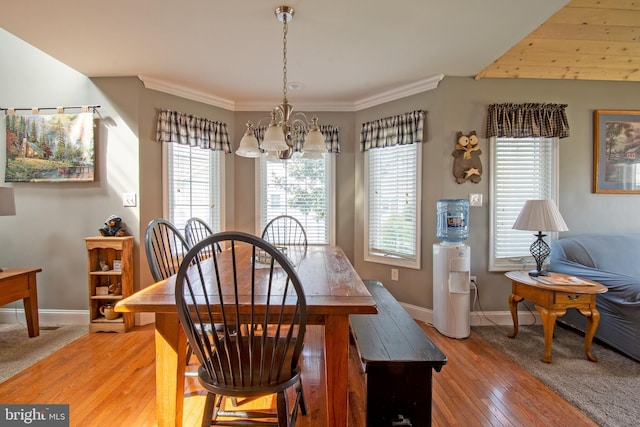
[
  {"x": 537, "y": 273},
  {"x": 540, "y": 251}
]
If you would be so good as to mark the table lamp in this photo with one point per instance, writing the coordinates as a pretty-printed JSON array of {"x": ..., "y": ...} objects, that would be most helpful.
[
  {"x": 7, "y": 203},
  {"x": 540, "y": 215}
]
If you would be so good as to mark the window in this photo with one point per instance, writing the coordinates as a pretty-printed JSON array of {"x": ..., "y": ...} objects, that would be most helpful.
[
  {"x": 302, "y": 188},
  {"x": 193, "y": 179},
  {"x": 392, "y": 206},
  {"x": 521, "y": 169}
]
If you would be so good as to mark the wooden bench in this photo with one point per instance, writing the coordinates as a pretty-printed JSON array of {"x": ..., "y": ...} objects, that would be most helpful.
[{"x": 398, "y": 359}]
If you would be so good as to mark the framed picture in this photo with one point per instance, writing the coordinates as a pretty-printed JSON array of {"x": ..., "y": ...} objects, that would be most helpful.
[
  {"x": 616, "y": 151},
  {"x": 50, "y": 148}
]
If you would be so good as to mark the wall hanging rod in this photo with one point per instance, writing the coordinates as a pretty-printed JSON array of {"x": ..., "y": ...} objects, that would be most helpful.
[{"x": 36, "y": 110}]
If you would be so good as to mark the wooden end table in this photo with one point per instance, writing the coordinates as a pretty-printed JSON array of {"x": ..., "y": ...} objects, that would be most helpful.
[
  {"x": 552, "y": 302},
  {"x": 20, "y": 283}
]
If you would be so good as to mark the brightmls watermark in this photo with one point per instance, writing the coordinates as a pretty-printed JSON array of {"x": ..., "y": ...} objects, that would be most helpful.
[{"x": 34, "y": 415}]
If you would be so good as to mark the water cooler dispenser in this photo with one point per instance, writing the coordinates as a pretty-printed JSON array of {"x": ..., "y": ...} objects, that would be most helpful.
[{"x": 451, "y": 269}]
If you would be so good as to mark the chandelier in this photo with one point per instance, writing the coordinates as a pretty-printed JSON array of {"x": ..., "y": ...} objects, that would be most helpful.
[{"x": 285, "y": 126}]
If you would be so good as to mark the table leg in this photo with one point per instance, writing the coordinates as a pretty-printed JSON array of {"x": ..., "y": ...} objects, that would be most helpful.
[
  {"x": 336, "y": 362},
  {"x": 513, "y": 307},
  {"x": 171, "y": 353},
  {"x": 593, "y": 318},
  {"x": 548, "y": 324},
  {"x": 31, "y": 306}
]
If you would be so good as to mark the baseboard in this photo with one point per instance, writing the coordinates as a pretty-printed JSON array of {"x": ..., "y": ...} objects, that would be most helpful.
[
  {"x": 478, "y": 318},
  {"x": 80, "y": 317},
  {"x": 50, "y": 317},
  {"x": 63, "y": 317}
]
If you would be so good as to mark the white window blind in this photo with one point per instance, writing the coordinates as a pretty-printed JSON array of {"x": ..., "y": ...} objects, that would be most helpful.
[
  {"x": 521, "y": 169},
  {"x": 392, "y": 206},
  {"x": 301, "y": 188},
  {"x": 194, "y": 177}
]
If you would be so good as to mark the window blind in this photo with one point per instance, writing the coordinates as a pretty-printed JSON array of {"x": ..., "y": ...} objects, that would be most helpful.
[
  {"x": 392, "y": 202},
  {"x": 194, "y": 180},
  {"x": 523, "y": 169}
]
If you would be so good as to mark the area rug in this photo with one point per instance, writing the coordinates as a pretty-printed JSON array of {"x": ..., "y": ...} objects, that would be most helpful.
[
  {"x": 606, "y": 391},
  {"x": 18, "y": 351}
]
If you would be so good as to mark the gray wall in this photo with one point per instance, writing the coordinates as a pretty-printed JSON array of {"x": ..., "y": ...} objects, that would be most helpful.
[
  {"x": 53, "y": 219},
  {"x": 460, "y": 104}
]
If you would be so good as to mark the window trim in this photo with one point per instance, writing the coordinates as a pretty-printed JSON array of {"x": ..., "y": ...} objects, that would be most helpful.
[
  {"x": 388, "y": 260},
  {"x": 525, "y": 262},
  {"x": 331, "y": 159}
]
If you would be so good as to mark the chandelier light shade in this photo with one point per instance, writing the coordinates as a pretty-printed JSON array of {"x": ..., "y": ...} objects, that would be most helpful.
[
  {"x": 274, "y": 137},
  {"x": 249, "y": 144},
  {"x": 314, "y": 143},
  {"x": 285, "y": 125},
  {"x": 7, "y": 202},
  {"x": 540, "y": 215}
]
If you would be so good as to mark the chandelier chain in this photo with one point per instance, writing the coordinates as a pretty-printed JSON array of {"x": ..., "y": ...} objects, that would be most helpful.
[{"x": 285, "y": 30}]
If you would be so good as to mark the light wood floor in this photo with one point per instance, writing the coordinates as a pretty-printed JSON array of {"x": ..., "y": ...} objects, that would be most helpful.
[{"x": 109, "y": 379}]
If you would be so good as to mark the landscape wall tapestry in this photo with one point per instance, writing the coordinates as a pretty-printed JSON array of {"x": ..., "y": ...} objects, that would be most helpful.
[{"x": 50, "y": 148}]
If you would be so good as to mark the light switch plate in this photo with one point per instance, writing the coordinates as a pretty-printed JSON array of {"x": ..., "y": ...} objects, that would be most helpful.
[
  {"x": 475, "y": 199},
  {"x": 129, "y": 200}
]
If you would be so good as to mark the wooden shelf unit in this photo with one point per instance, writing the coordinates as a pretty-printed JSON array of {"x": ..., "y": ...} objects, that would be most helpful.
[{"x": 108, "y": 249}]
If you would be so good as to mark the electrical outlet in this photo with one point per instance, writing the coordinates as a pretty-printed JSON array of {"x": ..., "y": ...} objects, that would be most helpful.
[
  {"x": 394, "y": 274},
  {"x": 473, "y": 279}
]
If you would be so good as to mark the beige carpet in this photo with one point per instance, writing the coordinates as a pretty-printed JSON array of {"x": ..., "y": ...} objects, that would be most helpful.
[
  {"x": 606, "y": 391},
  {"x": 18, "y": 351}
]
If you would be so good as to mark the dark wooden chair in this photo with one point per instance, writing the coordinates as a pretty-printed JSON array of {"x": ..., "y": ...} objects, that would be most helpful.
[
  {"x": 285, "y": 230},
  {"x": 195, "y": 230},
  {"x": 230, "y": 291},
  {"x": 165, "y": 248}
]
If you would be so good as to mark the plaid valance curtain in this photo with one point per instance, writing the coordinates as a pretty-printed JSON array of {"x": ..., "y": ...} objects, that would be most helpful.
[
  {"x": 527, "y": 120},
  {"x": 330, "y": 132},
  {"x": 403, "y": 129},
  {"x": 190, "y": 130}
]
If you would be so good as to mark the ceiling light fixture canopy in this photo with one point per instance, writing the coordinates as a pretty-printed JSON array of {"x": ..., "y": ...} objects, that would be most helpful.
[{"x": 285, "y": 126}]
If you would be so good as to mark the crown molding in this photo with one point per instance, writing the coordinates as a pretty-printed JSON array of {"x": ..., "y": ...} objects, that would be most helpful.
[
  {"x": 185, "y": 92},
  {"x": 401, "y": 92}
]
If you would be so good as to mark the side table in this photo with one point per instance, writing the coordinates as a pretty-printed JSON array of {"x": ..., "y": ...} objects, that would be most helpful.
[
  {"x": 20, "y": 283},
  {"x": 552, "y": 302}
]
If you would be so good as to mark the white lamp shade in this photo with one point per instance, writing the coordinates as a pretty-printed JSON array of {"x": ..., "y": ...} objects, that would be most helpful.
[
  {"x": 7, "y": 201},
  {"x": 314, "y": 142},
  {"x": 274, "y": 139},
  {"x": 248, "y": 146},
  {"x": 540, "y": 215}
]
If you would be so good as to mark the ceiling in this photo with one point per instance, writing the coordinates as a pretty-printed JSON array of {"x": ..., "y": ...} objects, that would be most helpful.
[
  {"x": 585, "y": 40},
  {"x": 346, "y": 55}
]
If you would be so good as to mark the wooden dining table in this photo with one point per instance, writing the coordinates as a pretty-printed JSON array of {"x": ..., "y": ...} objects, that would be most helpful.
[{"x": 333, "y": 291}]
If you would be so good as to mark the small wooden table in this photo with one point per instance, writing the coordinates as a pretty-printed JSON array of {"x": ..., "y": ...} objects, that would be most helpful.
[
  {"x": 552, "y": 302},
  {"x": 20, "y": 283}
]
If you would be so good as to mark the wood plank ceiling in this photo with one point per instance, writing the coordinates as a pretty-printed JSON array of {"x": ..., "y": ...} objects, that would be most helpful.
[{"x": 585, "y": 40}]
